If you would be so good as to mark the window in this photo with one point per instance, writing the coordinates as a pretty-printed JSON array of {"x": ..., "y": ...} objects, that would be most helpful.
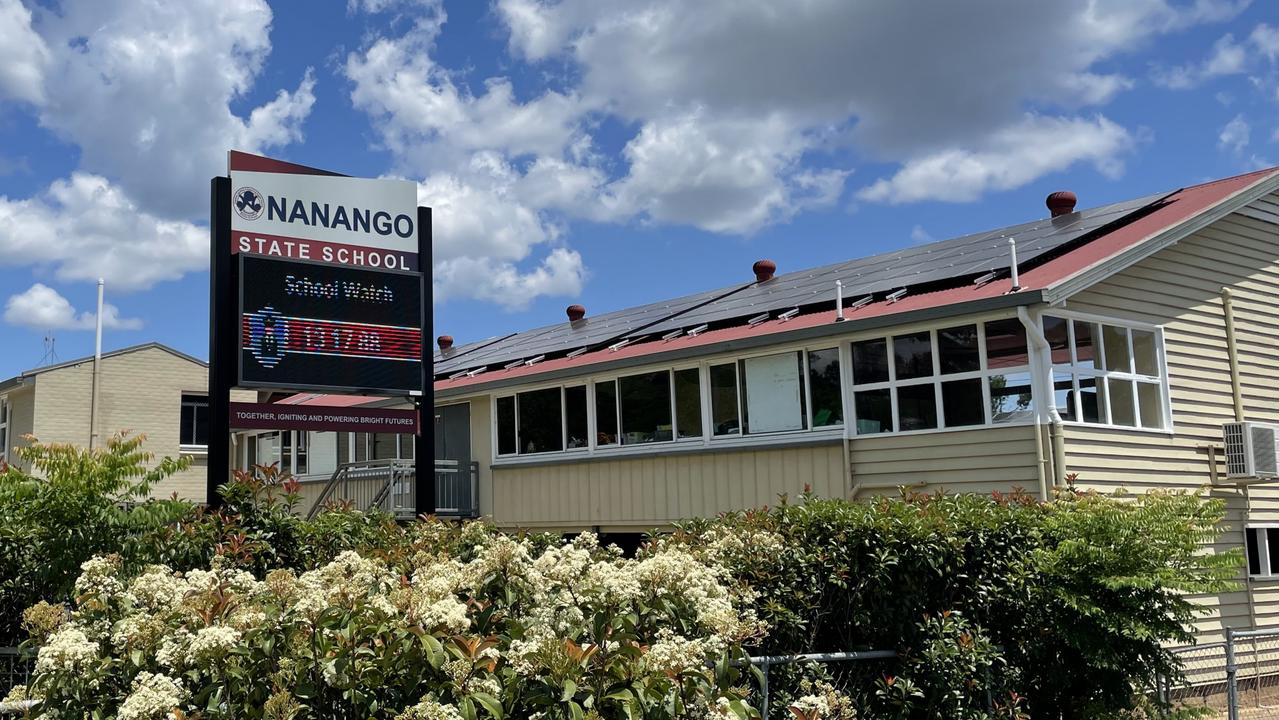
[
  {"x": 1262, "y": 549},
  {"x": 194, "y": 422},
  {"x": 576, "y": 433},
  {"x": 4, "y": 429},
  {"x": 688, "y": 403},
  {"x": 725, "y": 413},
  {"x": 606, "y": 413},
  {"x": 773, "y": 393},
  {"x": 541, "y": 421},
  {"x": 645, "y": 402},
  {"x": 1106, "y": 374},
  {"x": 540, "y": 424},
  {"x": 824, "y": 391},
  {"x": 961, "y": 376}
]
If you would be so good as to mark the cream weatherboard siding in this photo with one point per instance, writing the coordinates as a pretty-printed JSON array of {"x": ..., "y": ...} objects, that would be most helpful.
[
  {"x": 980, "y": 460},
  {"x": 1180, "y": 289},
  {"x": 634, "y": 494}
]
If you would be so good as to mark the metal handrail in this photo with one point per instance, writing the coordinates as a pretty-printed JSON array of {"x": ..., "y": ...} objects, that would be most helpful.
[{"x": 355, "y": 470}]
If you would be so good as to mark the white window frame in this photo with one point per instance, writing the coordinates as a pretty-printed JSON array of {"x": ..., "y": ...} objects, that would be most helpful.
[
  {"x": 1103, "y": 375},
  {"x": 984, "y": 373},
  {"x": 6, "y": 410},
  {"x": 1268, "y": 571},
  {"x": 561, "y": 386}
]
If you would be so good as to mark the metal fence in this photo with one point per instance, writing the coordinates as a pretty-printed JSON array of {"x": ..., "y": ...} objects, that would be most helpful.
[
  {"x": 1238, "y": 678},
  {"x": 15, "y": 669}
]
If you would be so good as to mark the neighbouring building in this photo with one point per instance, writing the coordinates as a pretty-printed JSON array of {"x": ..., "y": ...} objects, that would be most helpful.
[{"x": 147, "y": 389}]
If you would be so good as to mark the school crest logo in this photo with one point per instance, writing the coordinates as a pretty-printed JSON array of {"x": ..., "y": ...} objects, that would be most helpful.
[
  {"x": 268, "y": 336},
  {"x": 248, "y": 203}
]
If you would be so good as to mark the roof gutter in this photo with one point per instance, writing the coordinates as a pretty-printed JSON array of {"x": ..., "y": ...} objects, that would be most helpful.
[
  {"x": 1112, "y": 264},
  {"x": 1000, "y": 302}
]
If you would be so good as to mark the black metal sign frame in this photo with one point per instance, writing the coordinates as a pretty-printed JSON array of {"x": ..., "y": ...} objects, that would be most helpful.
[{"x": 224, "y": 346}]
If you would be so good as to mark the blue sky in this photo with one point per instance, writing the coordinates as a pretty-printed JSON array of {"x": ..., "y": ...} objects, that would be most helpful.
[{"x": 607, "y": 152}]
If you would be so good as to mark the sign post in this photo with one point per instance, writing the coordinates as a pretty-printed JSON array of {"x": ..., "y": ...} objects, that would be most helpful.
[{"x": 328, "y": 295}]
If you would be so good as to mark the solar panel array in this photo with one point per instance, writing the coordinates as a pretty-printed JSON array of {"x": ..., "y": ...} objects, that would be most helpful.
[
  {"x": 970, "y": 255},
  {"x": 565, "y": 336}
]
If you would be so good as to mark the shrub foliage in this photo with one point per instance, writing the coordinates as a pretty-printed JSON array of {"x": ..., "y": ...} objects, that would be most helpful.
[{"x": 997, "y": 606}]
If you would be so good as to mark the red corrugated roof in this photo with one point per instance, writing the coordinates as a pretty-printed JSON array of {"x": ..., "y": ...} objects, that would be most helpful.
[{"x": 1174, "y": 210}]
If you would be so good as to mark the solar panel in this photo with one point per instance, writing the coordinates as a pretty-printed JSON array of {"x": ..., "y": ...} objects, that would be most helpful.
[
  {"x": 959, "y": 257},
  {"x": 566, "y": 336},
  {"x": 969, "y": 255}
]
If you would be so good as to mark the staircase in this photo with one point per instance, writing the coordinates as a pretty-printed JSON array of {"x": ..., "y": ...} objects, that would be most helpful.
[{"x": 390, "y": 485}]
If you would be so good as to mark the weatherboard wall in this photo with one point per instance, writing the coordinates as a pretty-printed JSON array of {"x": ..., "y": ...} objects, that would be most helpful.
[
  {"x": 1179, "y": 288},
  {"x": 983, "y": 460}
]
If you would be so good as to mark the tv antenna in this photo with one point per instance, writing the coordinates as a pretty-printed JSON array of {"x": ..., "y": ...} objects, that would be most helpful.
[{"x": 50, "y": 351}]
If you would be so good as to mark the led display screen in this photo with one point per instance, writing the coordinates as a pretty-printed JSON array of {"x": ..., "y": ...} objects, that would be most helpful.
[{"x": 314, "y": 326}]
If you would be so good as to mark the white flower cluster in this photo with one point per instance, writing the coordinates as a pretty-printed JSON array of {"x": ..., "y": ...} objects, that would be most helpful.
[
  {"x": 68, "y": 650},
  {"x": 429, "y": 709},
  {"x": 347, "y": 581},
  {"x": 153, "y": 697},
  {"x": 98, "y": 577}
]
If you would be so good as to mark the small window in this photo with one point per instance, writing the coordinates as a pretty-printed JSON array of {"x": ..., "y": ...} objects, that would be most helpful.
[
  {"x": 1063, "y": 395},
  {"x": 917, "y": 407},
  {"x": 1144, "y": 353},
  {"x": 1085, "y": 345},
  {"x": 343, "y": 448},
  {"x": 1057, "y": 332},
  {"x": 1011, "y": 399},
  {"x": 1262, "y": 548},
  {"x": 575, "y": 417},
  {"x": 1115, "y": 345},
  {"x": 505, "y": 428},
  {"x": 874, "y": 410},
  {"x": 362, "y": 439},
  {"x": 957, "y": 350},
  {"x": 4, "y": 428},
  {"x": 606, "y": 413},
  {"x": 194, "y": 428},
  {"x": 962, "y": 402},
  {"x": 773, "y": 398},
  {"x": 384, "y": 446},
  {"x": 913, "y": 355},
  {"x": 1006, "y": 344},
  {"x": 725, "y": 418},
  {"x": 646, "y": 407},
  {"x": 824, "y": 387},
  {"x": 688, "y": 403},
  {"x": 1123, "y": 410},
  {"x": 540, "y": 416},
  {"x": 301, "y": 454},
  {"x": 870, "y": 361},
  {"x": 1150, "y": 404},
  {"x": 1092, "y": 404}
]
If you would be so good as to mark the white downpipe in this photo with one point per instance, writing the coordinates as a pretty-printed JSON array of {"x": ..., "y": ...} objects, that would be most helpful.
[
  {"x": 839, "y": 300},
  {"x": 1041, "y": 372},
  {"x": 97, "y": 362}
]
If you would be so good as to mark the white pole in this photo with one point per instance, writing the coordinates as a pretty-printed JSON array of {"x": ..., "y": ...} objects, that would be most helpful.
[
  {"x": 1012, "y": 265},
  {"x": 97, "y": 361},
  {"x": 839, "y": 300}
]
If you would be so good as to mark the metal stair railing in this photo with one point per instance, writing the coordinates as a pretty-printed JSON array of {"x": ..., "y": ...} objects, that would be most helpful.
[{"x": 370, "y": 481}]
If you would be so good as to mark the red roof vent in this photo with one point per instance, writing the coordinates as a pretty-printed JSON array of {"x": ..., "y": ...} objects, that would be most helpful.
[
  {"x": 575, "y": 312},
  {"x": 764, "y": 270},
  {"x": 1061, "y": 202},
  {"x": 445, "y": 341}
]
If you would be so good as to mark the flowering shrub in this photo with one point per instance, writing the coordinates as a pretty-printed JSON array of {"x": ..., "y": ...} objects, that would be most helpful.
[{"x": 455, "y": 623}]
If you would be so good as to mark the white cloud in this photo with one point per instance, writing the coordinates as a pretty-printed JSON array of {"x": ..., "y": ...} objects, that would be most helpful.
[
  {"x": 1012, "y": 157},
  {"x": 1265, "y": 39},
  {"x": 1235, "y": 136},
  {"x": 919, "y": 235},
  {"x": 84, "y": 228},
  {"x": 727, "y": 176},
  {"x": 144, "y": 90},
  {"x": 1228, "y": 58},
  {"x": 23, "y": 55},
  {"x": 42, "y": 308}
]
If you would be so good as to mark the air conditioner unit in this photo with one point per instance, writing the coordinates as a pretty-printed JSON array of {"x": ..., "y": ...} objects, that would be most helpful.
[{"x": 1251, "y": 449}]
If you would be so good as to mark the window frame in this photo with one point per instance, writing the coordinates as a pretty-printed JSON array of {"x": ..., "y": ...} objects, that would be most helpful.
[
  {"x": 1263, "y": 551},
  {"x": 1103, "y": 376},
  {"x": 983, "y": 373},
  {"x": 6, "y": 412},
  {"x": 192, "y": 448},
  {"x": 564, "y": 448}
]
